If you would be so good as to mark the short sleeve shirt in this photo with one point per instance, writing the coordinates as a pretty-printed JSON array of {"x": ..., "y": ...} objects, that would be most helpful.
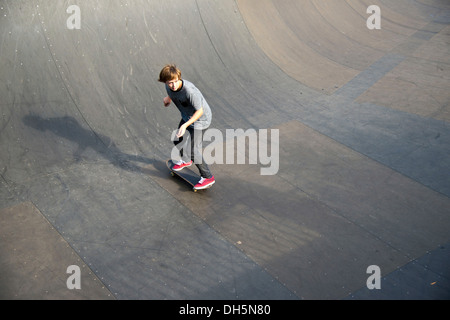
[{"x": 188, "y": 99}]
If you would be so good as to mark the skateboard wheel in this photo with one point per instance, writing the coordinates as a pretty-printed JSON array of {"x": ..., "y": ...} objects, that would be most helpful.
[
  {"x": 195, "y": 190},
  {"x": 172, "y": 174}
]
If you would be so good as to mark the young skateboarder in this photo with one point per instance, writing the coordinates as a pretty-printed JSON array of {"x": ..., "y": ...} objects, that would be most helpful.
[{"x": 195, "y": 118}]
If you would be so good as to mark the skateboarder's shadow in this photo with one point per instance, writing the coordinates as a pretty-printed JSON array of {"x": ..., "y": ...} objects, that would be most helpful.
[{"x": 69, "y": 128}]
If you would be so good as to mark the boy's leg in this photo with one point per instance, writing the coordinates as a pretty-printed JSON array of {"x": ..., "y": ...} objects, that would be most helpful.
[
  {"x": 182, "y": 144},
  {"x": 196, "y": 137}
]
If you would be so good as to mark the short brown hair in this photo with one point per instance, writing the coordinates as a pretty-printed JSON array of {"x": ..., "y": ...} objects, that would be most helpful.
[{"x": 169, "y": 72}]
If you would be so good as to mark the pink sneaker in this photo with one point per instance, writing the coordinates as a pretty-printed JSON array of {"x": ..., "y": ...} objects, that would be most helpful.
[
  {"x": 204, "y": 183},
  {"x": 181, "y": 164}
]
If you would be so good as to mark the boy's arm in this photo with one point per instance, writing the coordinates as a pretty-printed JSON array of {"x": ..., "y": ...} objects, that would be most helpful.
[
  {"x": 194, "y": 118},
  {"x": 167, "y": 101}
]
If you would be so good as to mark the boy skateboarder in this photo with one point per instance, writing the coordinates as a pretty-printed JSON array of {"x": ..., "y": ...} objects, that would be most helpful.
[{"x": 195, "y": 118}]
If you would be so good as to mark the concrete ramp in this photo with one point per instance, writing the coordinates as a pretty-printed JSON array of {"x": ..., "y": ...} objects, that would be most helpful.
[
  {"x": 363, "y": 150},
  {"x": 325, "y": 44},
  {"x": 36, "y": 261}
]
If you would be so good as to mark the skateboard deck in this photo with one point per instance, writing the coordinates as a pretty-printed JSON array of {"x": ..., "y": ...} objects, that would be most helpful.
[{"x": 186, "y": 174}]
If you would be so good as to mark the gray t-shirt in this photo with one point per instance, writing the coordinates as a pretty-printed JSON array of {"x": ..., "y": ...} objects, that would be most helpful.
[{"x": 188, "y": 100}]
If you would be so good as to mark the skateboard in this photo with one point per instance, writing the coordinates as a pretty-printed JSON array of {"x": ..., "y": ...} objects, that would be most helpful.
[{"x": 186, "y": 174}]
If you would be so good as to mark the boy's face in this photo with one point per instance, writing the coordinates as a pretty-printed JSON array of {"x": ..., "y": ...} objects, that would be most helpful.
[{"x": 174, "y": 84}]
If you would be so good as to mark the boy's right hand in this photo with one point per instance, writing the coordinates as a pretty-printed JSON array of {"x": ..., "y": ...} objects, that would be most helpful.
[{"x": 167, "y": 101}]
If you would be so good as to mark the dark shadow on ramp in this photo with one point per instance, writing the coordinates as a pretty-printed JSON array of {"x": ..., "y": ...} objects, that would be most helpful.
[{"x": 68, "y": 128}]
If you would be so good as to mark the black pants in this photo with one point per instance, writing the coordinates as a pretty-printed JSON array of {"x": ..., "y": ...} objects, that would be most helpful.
[{"x": 194, "y": 137}]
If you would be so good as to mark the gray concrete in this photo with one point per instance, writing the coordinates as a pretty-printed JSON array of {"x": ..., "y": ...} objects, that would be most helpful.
[
  {"x": 35, "y": 260},
  {"x": 363, "y": 117}
]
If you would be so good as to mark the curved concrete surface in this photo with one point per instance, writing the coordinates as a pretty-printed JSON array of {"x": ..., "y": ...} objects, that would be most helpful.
[{"x": 364, "y": 149}]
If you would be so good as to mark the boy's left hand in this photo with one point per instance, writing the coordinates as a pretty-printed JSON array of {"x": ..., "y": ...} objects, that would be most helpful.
[{"x": 181, "y": 131}]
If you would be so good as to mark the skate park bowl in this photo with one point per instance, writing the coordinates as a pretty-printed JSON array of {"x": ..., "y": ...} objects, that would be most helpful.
[{"x": 350, "y": 98}]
